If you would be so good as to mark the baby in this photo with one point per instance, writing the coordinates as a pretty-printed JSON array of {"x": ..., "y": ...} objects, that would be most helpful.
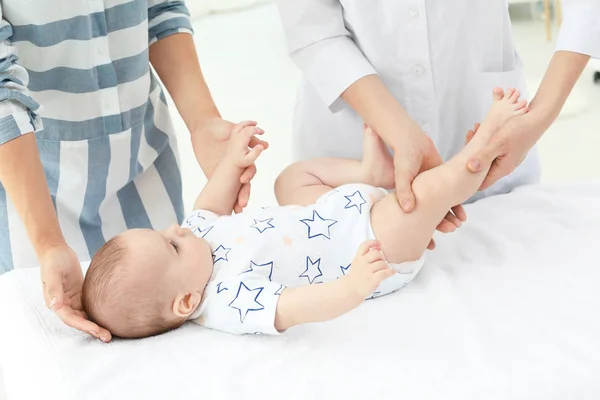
[{"x": 337, "y": 239}]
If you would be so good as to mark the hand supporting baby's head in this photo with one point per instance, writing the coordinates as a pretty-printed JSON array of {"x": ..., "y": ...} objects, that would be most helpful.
[{"x": 143, "y": 283}]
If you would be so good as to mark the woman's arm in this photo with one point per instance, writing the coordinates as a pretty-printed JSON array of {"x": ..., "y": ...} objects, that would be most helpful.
[
  {"x": 22, "y": 176},
  {"x": 176, "y": 62},
  {"x": 173, "y": 55}
]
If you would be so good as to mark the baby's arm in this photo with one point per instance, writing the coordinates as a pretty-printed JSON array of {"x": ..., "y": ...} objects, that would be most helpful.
[
  {"x": 221, "y": 192},
  {"x": 323, "y": 302}
]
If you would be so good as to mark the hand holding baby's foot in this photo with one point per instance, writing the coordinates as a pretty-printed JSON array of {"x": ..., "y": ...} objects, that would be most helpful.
[
  {"x": 239, "y": 152},
  {"x": 377, "y": 163},
  {"x": 506, "y": 105},
  {"x": 368, "y": 269}
]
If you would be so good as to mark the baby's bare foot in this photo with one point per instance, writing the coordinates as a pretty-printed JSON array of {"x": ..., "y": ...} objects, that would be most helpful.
[
  {"x": 377, "y": 163},
  {"x": 504, "y": 107}
]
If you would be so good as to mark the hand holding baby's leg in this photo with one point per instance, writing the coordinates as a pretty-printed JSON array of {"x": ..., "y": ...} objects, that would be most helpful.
[{"x": 404, "y": 237}]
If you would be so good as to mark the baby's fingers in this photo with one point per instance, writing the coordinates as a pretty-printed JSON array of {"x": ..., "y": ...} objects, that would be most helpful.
[
  {"x": 253, "y": 154},
  {"x": 384, "y": 274},
  {"x": 366, "y": 246},
  {"x": 242, "y": 125},
  {"x": 373, "y": 256}
]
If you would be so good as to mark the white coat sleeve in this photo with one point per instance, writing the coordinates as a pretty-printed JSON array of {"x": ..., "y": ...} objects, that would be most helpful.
[
  {"x": 322, "y": 48},
  {"x": 580, "y": 30}
]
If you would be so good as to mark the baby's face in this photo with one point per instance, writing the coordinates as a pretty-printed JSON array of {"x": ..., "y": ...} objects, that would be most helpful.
[{"x": 186, "y": 258}]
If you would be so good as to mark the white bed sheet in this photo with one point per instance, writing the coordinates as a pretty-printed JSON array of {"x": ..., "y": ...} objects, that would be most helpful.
[{"x": 507, "y": 308}]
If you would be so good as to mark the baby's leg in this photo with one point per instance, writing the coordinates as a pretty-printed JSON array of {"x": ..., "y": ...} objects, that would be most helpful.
[
  {"x": 302, "y": 183},
  {"x": 404, "y": 237}
]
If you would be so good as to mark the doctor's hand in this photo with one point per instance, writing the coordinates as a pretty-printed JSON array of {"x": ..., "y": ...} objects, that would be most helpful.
[
  {"x": 415, "y": 152},
  {"x": 210, "y": 145},
  {"x": 507, "y": 148},
  {"x": 62, "y": 284}
]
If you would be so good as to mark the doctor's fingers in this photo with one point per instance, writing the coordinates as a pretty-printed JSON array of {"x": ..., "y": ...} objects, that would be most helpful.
[
  {"x": 497, "y": 147},
  {"x": 431, "y": 245},
  {"x": 471, "y": 133},
  {"x": 460, "y": 213},
  {"x": 406, "y": 168},
  {"x": 500, "y": 168}
]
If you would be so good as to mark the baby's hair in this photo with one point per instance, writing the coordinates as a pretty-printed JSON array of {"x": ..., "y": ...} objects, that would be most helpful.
[{"x": 128, "y": 309}]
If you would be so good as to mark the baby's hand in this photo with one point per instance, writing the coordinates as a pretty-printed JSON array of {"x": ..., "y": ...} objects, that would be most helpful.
[
  {"x": 238, "y": 152},
  {"x": 369, "y": 269}
]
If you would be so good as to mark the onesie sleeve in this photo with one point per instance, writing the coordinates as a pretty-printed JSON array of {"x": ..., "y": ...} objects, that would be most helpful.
[
  {"x": 200, "y": 222},
  {"x": 245, "y": 304}
]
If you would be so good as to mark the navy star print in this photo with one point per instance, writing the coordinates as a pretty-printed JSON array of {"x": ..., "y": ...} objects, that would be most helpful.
[
  {"x": 202, "y": 232},
  {"x": 220, "y": 289},
  {"x": 345, "y": 269},
  {"x": 220, "y": 254},
  {"x": 312, "y": 271},
  {"x": 278, "y": 292},
  {"x": 355, "y": 200},
  {"x": 245, "y": 300},
  {"x": 318, "y": 226},
  {"x": 262, "y": 225},
  {"x": 260, "y": 267}
]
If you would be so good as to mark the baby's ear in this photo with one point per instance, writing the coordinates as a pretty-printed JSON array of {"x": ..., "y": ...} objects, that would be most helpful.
[{"x": 185, "y": 304}]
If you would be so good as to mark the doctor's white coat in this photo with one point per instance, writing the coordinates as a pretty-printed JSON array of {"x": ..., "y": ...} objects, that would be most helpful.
[{"x": 439, "y": 58}]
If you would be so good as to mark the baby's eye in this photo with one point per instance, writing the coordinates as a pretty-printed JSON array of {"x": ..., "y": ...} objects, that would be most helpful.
[{"x": 175, "y": 246}]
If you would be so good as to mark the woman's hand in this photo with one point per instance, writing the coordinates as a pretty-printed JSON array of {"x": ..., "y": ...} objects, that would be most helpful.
[
  {"x": 210, "y": 145},
  {"x": 62, "y": 284}
]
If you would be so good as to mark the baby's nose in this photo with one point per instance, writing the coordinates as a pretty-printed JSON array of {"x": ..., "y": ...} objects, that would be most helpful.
[{"x": 175, "y": 229}]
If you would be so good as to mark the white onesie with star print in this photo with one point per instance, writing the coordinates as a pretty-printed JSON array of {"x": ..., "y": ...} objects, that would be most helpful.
[{"x": 258, "y": 254}]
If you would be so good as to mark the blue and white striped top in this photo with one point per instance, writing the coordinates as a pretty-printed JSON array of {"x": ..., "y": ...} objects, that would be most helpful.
[{"x": 77, "y": 72}]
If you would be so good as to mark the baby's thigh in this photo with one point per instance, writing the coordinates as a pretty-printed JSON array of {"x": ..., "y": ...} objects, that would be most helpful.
[{"x": 403, "y": 236}]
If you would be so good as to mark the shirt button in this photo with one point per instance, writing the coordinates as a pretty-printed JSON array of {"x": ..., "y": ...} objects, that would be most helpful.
[
  {"x": 414, "y": 11},
  {"x": 425, "y": 127},
  {"x": 419, "y": 70}
]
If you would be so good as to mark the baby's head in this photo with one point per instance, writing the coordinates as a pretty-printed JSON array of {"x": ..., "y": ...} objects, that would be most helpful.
[{"x": 144, "y": 282}]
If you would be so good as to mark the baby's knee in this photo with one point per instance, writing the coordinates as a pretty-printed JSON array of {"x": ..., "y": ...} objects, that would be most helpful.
[{"x": 287, "y": 180}]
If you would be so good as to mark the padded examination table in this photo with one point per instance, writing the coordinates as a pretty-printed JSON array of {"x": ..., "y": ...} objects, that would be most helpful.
[{"x": 506, "y": 308}]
